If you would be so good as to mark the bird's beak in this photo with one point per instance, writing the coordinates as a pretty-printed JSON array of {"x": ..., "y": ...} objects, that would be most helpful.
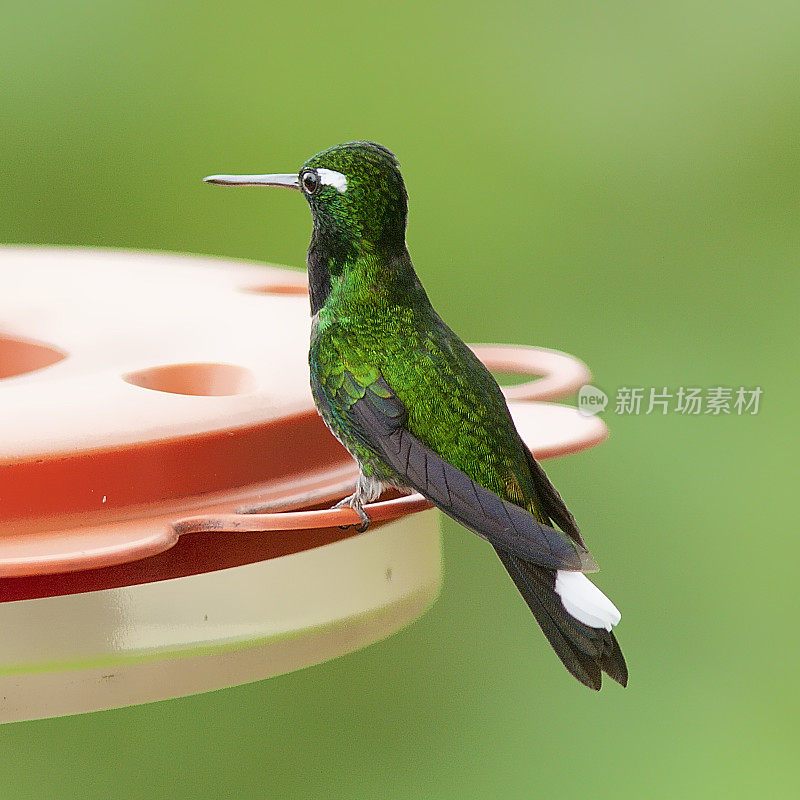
[{"x": 287, "y": 181}]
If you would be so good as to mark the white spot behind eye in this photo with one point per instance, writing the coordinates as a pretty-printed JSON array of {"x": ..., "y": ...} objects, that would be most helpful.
[{"x": 330, "y": 177}]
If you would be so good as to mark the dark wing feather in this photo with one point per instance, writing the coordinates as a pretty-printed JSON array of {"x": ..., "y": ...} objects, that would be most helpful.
[
  {"x": 550, "y": 500},
  {"x": 381, "y": 417}
]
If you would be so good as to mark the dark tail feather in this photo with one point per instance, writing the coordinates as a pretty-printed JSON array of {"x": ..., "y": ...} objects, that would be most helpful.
[{"x": 585, "y": 651}]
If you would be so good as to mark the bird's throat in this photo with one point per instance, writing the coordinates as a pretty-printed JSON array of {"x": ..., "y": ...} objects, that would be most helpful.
[
  {"x": 328, "y": 256},
  {"x": 360, "y": 271},
  {"x": 319, "y": 279}
]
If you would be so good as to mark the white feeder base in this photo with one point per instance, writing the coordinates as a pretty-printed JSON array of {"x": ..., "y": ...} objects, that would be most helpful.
[{"x": 118, "y": 647}]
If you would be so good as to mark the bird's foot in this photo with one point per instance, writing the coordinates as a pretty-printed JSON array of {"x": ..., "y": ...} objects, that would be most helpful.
[{"x": 354, "y": 502}]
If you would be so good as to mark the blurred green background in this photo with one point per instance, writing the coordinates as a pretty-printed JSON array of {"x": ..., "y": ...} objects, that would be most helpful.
[{"x": 619, "y": 180}]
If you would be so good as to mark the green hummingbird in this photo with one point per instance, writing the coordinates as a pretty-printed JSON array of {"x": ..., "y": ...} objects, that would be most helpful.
[{"x": 419, "y": 412}]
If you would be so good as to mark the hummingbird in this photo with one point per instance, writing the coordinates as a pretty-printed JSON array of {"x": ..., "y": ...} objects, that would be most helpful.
[{"x": 418, "y": 411}]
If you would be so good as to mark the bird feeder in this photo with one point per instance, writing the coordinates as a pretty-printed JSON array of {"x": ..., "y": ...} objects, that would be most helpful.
[{"x": 166, "y": 483}]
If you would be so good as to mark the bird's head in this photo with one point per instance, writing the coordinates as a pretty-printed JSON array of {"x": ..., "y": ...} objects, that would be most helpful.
[
  {"x": 356, "y": 193},
  {"x": 359, "y": 205}
]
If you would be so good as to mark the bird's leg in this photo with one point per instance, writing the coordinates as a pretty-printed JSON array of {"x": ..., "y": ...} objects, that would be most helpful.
[
  {"x": 353, "y": 502},
  {"x": 368, "y": 489}
]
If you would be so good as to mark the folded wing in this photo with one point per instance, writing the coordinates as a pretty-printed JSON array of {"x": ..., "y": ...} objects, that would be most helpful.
[{"x": 380, "y": 418}]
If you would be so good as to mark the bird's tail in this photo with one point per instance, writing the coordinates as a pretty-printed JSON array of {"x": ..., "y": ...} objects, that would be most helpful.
[{"x": 576, "y": 618}]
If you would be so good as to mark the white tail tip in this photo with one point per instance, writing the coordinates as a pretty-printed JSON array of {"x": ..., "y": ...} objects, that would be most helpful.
[{"x": 584, "y": 601}]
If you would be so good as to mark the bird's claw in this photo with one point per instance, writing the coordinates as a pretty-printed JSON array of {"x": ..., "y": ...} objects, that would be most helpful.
[{"x": 348, "y": 502}]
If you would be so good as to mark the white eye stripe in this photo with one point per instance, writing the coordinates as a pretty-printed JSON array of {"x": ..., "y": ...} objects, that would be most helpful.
[{"x": 330, "y": 177}]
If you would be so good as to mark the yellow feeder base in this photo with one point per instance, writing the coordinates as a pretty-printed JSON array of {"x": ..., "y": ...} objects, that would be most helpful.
[{"x": 118, "y": 647}]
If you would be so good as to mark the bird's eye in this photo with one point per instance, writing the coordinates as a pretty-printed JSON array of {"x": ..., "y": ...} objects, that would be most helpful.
[{"x": 310, "y": 181}]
